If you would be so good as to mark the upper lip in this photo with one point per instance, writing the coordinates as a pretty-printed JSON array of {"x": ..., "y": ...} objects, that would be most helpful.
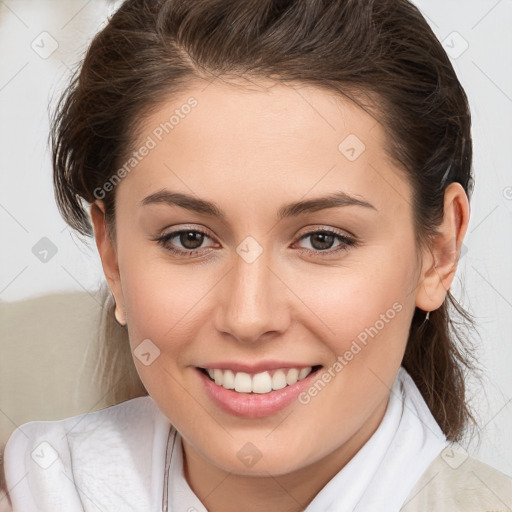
[{"x": 254, "y": 367}]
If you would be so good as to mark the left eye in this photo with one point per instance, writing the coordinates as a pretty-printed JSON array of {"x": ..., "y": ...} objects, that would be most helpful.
[{"x": 322, "y": 241}]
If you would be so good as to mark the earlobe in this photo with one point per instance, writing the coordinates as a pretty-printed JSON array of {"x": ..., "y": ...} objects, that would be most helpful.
[
  {"x": 108, "y": 257},
  {"x": 441, "y": 259}
]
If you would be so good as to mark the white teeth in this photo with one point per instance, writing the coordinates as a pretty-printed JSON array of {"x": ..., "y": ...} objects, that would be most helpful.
[
  {"x": 228, "y": 380},
  {"x": 217, "y": 375},
  {"x": 293, "y": 376},
  {"x": 243, "y": 383},
  {"x": 278, "y": 380},
  {"x": 304, "y": 372},
  {"x": 262, "y": 382}
]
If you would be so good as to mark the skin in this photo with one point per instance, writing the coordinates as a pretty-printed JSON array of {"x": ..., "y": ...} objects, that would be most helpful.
[{"x": 251, "y": 150}]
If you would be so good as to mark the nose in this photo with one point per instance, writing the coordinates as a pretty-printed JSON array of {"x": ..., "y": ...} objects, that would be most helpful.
[{"x": 252, "y": 305}]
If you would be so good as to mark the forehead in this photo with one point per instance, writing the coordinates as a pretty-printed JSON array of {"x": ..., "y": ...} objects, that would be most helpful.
[{"x": 265, "y": 140}]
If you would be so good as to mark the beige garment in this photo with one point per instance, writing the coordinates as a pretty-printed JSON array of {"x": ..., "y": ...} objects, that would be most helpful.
[{"x": 455, "y": 482}]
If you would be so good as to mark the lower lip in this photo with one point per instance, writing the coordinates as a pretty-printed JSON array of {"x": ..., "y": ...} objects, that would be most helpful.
[{"x": 254, "y": 405}]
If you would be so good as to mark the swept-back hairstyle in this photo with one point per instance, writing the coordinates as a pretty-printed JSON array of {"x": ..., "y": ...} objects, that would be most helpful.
[{"x": 382, "y": 54}]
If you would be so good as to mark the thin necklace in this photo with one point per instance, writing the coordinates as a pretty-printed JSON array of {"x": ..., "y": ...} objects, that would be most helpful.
[{"x": 171, "y": 441}]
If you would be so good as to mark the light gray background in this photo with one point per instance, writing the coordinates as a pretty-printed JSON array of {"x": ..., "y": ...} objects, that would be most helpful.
[{"x": 476, "y": 34}]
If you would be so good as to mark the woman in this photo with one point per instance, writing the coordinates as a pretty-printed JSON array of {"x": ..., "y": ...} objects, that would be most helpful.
[{"x": 278, "y": 192}]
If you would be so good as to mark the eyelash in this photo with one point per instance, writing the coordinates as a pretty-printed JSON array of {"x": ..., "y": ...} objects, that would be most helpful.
[{"x": 344, "y": 246}]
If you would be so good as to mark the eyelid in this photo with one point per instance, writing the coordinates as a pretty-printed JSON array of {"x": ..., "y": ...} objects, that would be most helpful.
[
  {"x": 176, "y": 230},
  {"x": 315, "y": 228}
]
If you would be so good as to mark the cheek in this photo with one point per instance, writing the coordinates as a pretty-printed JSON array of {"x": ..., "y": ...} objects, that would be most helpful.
[
  {"x": 165, "y": 302},
  {"x": 363, "y": 311},
  {"x": 161, "y": 303},
  {"x": 363, "y": 316}
]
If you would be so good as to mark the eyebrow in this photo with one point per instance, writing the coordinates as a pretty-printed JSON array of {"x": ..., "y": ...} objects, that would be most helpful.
[{"x": 334, "y": 200}]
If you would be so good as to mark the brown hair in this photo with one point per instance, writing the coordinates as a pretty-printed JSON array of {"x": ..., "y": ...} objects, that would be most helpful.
[{"x": 380, "y": 53}]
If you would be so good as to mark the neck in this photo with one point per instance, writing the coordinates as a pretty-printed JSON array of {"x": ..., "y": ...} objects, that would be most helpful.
[{"x": 222, "y": 491}]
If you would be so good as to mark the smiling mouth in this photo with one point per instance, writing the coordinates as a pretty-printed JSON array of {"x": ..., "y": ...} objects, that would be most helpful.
[{"x": 259, "y": 383}]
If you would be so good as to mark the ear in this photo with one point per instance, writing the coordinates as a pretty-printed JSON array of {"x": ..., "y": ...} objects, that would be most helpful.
[
  {"x": 108, "y": 255},
  {"x": 441, "y": 258}
]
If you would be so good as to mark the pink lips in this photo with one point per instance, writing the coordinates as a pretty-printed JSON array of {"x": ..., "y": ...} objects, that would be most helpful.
[{"x": 253, "y": 405}]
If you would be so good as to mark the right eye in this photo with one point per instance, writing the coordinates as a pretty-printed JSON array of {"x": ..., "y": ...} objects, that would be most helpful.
[{"x": 190, "y": 240}]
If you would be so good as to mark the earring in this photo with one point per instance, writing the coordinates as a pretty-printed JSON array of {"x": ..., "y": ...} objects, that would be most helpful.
[{"x": 427, "y": 316}]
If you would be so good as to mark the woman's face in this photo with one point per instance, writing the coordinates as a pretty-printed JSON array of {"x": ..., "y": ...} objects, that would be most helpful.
[{"x": 268, "y": 274}]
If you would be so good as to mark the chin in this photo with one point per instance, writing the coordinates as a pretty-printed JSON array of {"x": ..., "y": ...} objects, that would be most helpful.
[{"x": 249, "y": 460}]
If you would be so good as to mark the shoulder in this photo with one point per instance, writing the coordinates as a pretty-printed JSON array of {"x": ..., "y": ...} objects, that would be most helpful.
[
  {"x": 44, "y": 460},
  {"x": 455, "y": 482}
]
